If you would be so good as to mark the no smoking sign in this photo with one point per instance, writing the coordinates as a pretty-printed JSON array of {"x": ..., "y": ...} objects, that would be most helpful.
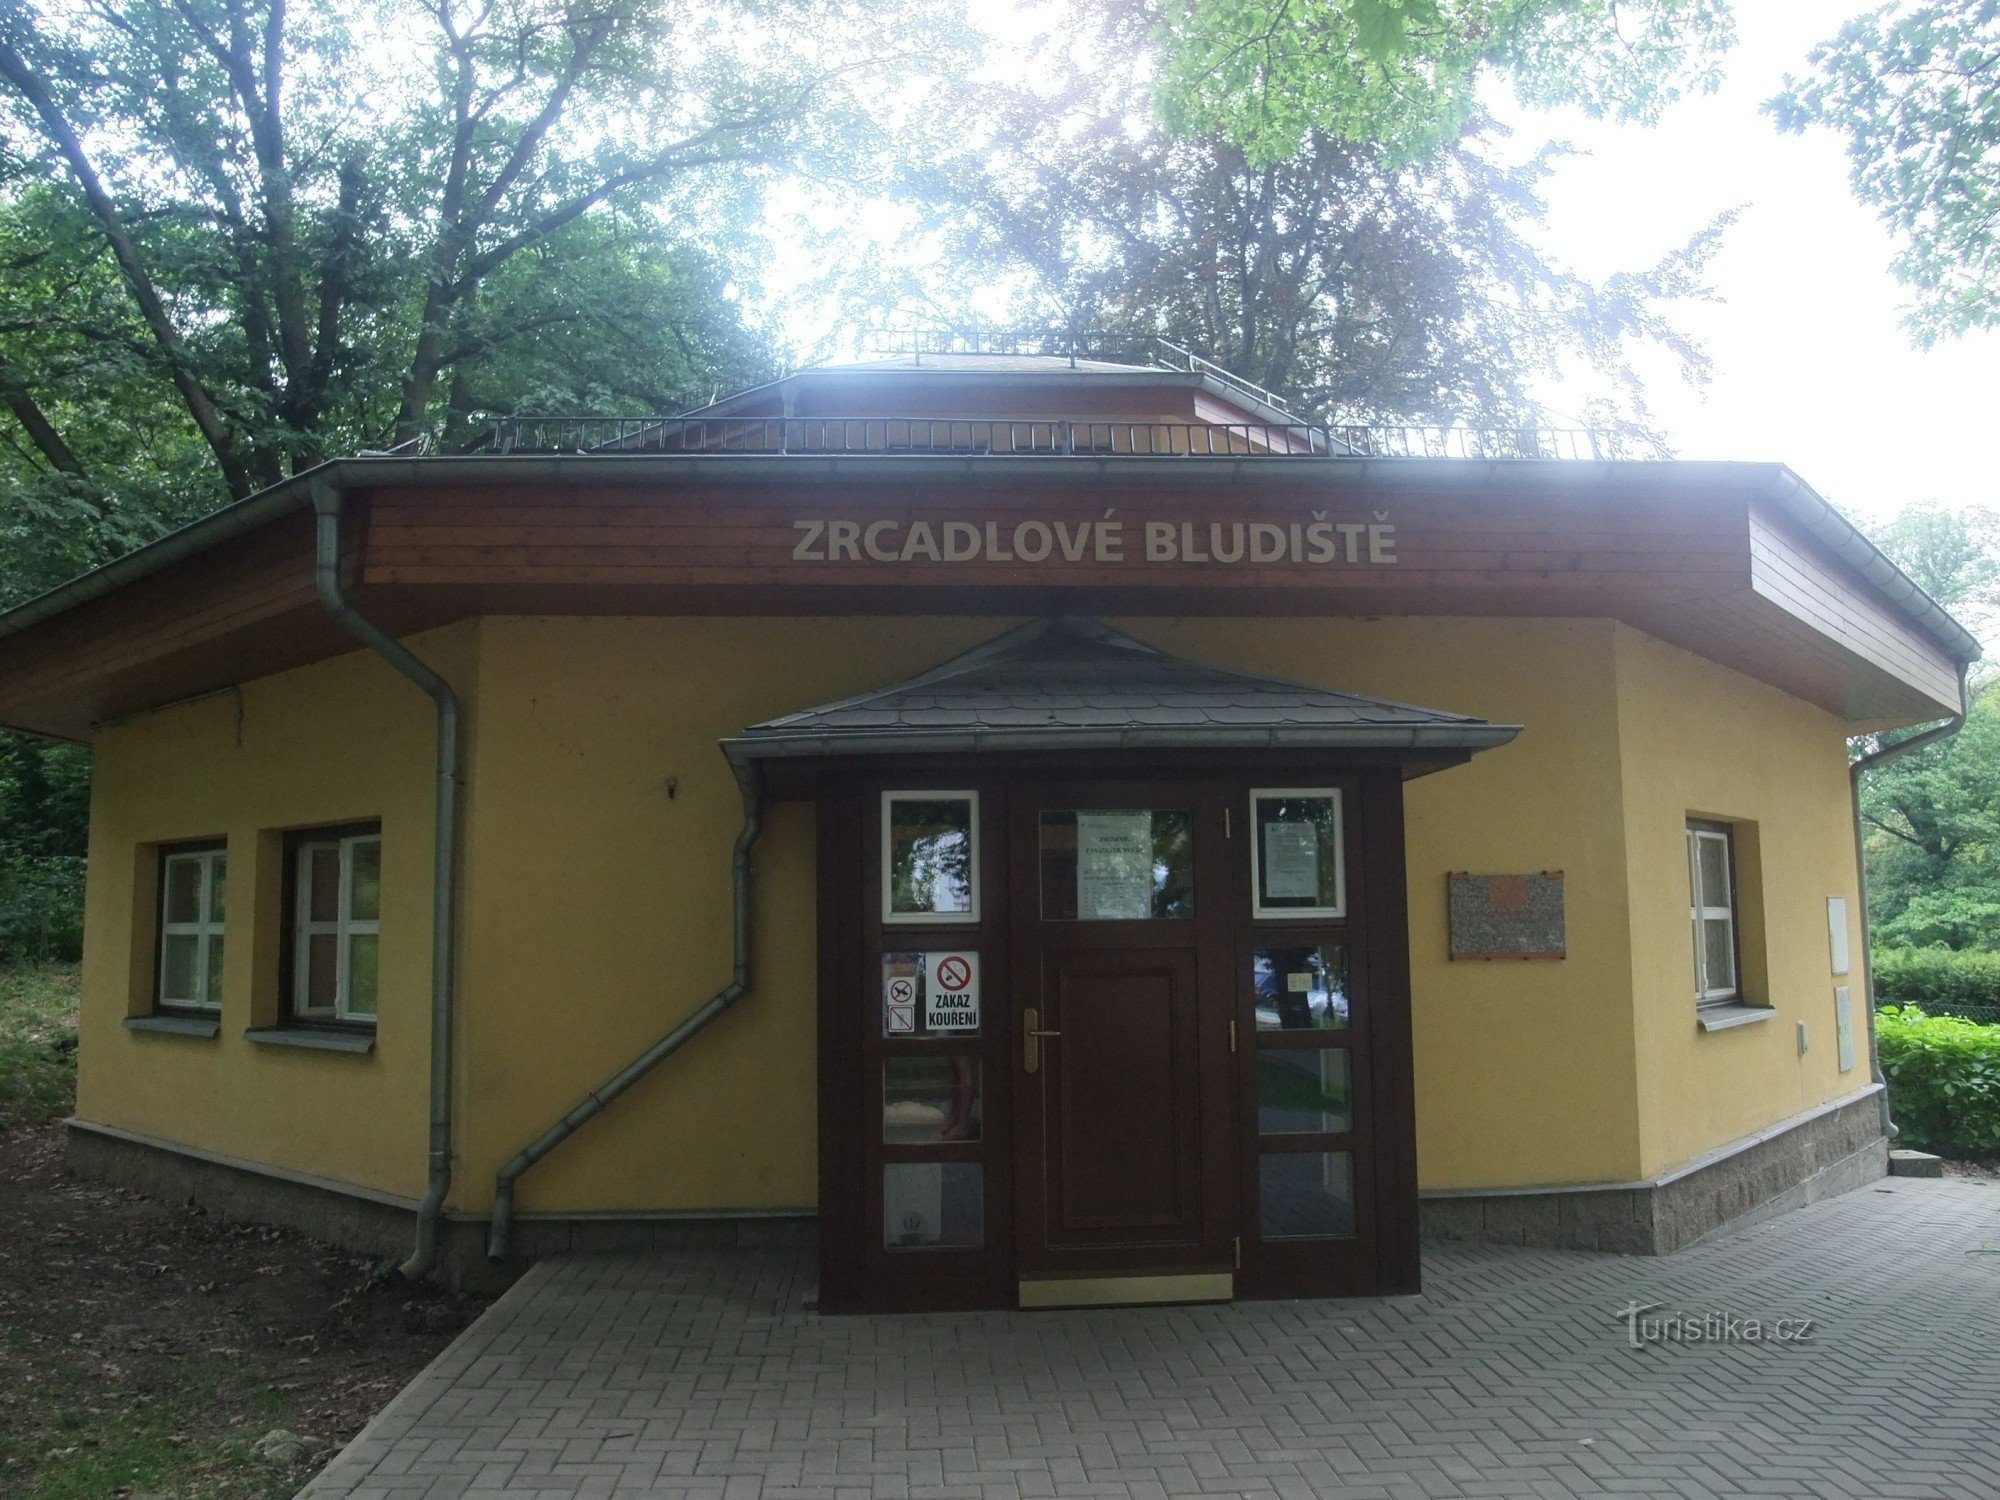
[{"x": 951, "y": 998}]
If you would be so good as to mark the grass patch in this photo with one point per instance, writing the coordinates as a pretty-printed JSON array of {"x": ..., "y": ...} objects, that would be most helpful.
[
  {"x": 37, "y": 1045},
  {"x": 85, "y": 1434},
  {"x": 147, "y": 1347}
]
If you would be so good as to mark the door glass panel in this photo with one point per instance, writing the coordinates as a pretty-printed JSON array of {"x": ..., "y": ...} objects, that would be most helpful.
[
  {"x": 933, "y": 1205},
  {"x": 1306, "y": 1195},
  {"x": 1303, "y": 1091},
  {"x": 927, "y": 858},
  {"x": 928, "y": 1100},
  {"x": 1301, "y": 988},
  {"x": 1117, "y": 866},
  {"x": 1297, "y": 871}
]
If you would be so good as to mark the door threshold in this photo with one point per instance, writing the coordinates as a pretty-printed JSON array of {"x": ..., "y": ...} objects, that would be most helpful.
[{"x": 1129, "y": 1291}]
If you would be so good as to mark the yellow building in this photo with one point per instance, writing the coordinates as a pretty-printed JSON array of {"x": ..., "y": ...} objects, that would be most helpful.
[{"x": 1068, "y": 830}]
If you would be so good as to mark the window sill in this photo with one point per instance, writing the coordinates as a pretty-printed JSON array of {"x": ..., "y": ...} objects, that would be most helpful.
[
  {"x": 1723, "y": 1017},
  {"x": 176, "y": 1025},
  {"x": 324, "y": 1041}
]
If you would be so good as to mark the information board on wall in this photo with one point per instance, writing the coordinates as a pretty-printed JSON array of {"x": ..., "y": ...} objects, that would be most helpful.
[{"x": 1506, "y": 916}]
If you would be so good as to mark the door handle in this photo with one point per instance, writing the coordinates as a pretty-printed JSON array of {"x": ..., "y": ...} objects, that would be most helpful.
[{"x": 1031, "y": 1040}]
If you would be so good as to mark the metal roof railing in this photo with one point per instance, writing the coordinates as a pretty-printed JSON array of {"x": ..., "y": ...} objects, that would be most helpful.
[
  {"x": 1171, "y": 356},
  {"x": 1056, "y": 437}
]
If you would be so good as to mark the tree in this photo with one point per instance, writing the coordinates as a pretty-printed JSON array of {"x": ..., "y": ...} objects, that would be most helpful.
[
  {"x": 238, "y": 236},
  {"x": 1932, "y": 827},
  {"x": 96, "y": 452},
  {"x": 1359, "y": 288},
  {"x": 1403, "y": 74},
  {"x": 1931, "y": 819},
  {"x": 1915, "y": 90},
  {"x": 298, "y": 224},
  {"x": 1952, "y": 555}
]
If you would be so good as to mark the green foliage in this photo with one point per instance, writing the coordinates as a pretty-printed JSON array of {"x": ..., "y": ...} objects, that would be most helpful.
[
  {"x": 1357, "y": 288},
  {"x": 41, "y": 909},
  {"x": 1937, "y": 980},
  {"x": 1403, "y": 74},
  {"x": 1914, "y": 88},
  {"x": 1931, "y": 819},
  {"x": 1944, "y": 1081},
  {"x": 239, "y": 236},
  {"x": 37, "y": 1045},
  {"x": 1932, "y": 826},
  {"x": 44, "y": 822},
  {"x": 1952, "y": 555}
]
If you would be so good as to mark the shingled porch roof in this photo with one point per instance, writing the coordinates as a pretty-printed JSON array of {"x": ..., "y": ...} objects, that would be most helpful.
[{"x": 1076, "y": 684}]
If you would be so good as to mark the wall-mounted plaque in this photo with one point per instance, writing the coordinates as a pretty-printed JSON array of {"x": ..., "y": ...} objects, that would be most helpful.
[{"x": 1506, "y": 916}]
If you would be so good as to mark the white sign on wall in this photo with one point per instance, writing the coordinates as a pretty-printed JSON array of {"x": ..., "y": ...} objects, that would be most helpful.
[
  {"x": 1836, "y": 932},
  {"x": 951, "y": 992}
]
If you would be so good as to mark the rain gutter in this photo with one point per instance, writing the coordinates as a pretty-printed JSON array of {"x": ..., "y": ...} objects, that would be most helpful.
[
  {"x": 754, "y": 747},
  {"x": 500, "y": 1229},
  {"x": 1882, "y": 756},
  {"x": 1840, "y": 536},
  {"x": 326, "y": 497}
]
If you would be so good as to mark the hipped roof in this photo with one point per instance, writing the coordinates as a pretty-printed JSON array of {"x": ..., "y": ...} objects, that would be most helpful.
[{"x": 1075, "y": 684}]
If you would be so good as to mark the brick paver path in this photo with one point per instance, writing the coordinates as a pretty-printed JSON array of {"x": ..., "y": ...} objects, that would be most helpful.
[{"x": 1510, "y": 1375}]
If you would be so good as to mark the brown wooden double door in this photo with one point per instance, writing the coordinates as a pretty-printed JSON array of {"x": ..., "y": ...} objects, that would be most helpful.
[{"x": 1164, "y": 1087}]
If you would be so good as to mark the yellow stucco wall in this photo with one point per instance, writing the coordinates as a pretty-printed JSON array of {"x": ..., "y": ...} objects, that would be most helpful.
[
  {"x": 1700, "y": 740},
  {"x": 596, "y": 907},
  {"x": 1490, "y": 1036},
  {"x": 600, "y": 913},
  {"x": 339, "y": 742}
]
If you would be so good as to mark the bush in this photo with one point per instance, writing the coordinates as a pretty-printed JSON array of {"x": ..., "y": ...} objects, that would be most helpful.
[
  {"x": 37, "y": 1046},
  {"x": 41, "y": 909},
  {"x": 1939, "y": 981},
  {"x": 1942, "y": 919},
  {"x": 1944, "y": 1081}
]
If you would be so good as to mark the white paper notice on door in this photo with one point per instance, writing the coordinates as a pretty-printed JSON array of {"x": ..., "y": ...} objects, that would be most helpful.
[
  {"x": 1114, "y": 866},
  {"x": 1291, "y": 861}
]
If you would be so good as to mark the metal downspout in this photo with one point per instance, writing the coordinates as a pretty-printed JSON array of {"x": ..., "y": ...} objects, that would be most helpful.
[
  {"x": 1874, "y": 758},
  {"x": 595, "y": 1102},
  {"x": 326, "y": 499}
]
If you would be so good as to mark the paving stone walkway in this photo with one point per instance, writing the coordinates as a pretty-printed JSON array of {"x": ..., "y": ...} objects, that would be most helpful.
[{"x": 1511, "y": 1375}]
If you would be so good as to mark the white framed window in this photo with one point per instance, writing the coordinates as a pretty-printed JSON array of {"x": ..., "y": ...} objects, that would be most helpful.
[
  {"x": 336, "y": 925},
  {"x": 1711, "y": 856},
  {"x": 930, "y": 858},
  {"x": 192, "y": 881},
  {"x": 1298, "y": 866}
]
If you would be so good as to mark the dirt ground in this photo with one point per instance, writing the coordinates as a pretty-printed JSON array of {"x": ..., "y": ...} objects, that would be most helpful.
[{"x": 147, "y": 1348}]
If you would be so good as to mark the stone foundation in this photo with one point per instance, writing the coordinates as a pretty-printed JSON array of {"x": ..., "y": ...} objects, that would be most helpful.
[
  {"x": 1814, "y": 1155},
  {"x": 384, "y": 1226},
  {"x": 1825, "y": 1151}
]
